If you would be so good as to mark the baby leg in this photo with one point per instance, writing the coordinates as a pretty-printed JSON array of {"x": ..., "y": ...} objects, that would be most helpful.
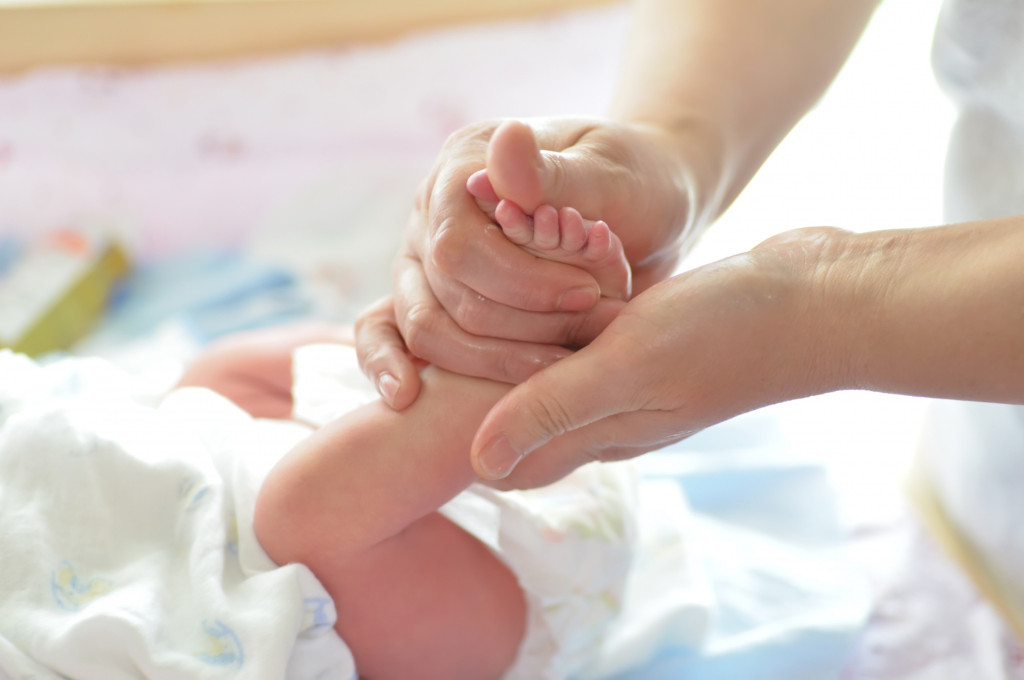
[
  {"x": 429, "y": 602},
  {"x": 254, "y": 368},
  {"x": 416, "y": 595}
]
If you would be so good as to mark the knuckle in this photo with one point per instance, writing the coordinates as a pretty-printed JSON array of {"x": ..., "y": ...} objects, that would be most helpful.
[
  {"x": 371, "y": 359},
  {"x": 557, "y": 176},
  {"x": 419, "y": 327},
  {"x": 552, "y": 417},
  {"x": 448, "y": 247},
  {"x": 479, "y": 131},
  {"x": 471, "y": 313},
  {"x": 509, "y": 365},
  {"x": 360, "y": 325},
  {"x": 371, "y": 316},
  {"x": 383, "y": 358},
  {"x": 575, "y": 331}
]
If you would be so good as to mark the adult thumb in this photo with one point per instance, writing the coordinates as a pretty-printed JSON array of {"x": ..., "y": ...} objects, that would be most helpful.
[
  {"x": 564, "y": 397},
  {"x": 557, "y": 163}
]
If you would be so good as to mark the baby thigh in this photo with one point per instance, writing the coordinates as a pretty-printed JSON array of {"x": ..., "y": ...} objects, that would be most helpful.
[{"x": 429, "y": 602}]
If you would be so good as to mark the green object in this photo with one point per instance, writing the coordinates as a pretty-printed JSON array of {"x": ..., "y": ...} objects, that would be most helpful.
[{"x": 55, "y": 293}]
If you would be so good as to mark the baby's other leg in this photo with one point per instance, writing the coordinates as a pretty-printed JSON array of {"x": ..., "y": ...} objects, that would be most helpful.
[
  {"x": 430, "y": 602},
  {"x": 564, "y": 236},
  {"x": 417, "y": 597},
  {"x": 254, "y": 368}
]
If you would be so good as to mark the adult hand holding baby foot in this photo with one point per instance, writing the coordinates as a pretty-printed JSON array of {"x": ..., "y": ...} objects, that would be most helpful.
[
  {"x": 708, "y": 89},
  {"x": 685, "y": 354},
  {"x": 472, "y": 301}
]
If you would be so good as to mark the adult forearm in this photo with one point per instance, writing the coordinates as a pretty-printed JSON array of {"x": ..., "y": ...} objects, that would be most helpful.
[
  {"x": 733, "y": 76},
  {"x": 933, "y": 312},
  {"x": 936, "y": 312}
]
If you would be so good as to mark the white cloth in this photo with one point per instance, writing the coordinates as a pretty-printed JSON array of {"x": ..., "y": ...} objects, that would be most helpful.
[
  {"x": 126, "y": 547},
  {"x": 973, "y": 453},
  {"x": 978, "y": 58},
  {"x": 608, "y": 574}
]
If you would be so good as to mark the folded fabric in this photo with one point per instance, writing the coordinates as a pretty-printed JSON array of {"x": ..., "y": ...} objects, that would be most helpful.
[{"x": 127, "y": 548}]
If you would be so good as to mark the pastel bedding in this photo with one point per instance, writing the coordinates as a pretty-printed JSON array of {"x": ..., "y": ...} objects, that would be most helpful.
[
  {"x": 128, "y": 550},
  {"x": 276, "y": 188}
]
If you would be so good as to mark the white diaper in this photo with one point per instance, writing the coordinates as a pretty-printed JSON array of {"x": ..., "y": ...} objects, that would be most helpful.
[
  {"x": 127, "y": 549},
  {"x": 608, "y": 578}
]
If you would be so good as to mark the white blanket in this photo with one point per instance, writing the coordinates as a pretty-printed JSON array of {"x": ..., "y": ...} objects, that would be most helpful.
[{"x": 126, "y": 547}]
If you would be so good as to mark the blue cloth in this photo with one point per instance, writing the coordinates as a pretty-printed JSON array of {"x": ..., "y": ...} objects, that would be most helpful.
[
  {"x": 789, "y": 604},
  {"x": 210, "y": 293}
]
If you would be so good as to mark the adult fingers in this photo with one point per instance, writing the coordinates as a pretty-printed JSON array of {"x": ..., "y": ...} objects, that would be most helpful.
[
  {"x": 479, "y": 316},
  {"x": 462, "y": 244},
  {"x": 431, "y": 334},
  {"x": 383, "y": 356}
]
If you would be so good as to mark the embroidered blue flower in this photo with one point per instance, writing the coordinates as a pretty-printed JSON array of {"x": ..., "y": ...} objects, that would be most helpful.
[
  {"x": 70, "y": 592},
  {"x": 224, "y": 648},
  {"x": 319, "y": 612}
]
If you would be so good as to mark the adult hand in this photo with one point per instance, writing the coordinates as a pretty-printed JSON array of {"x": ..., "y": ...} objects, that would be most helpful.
[
  {"x": 691, "y": 351},
  {"x": 470, "y": 301}
]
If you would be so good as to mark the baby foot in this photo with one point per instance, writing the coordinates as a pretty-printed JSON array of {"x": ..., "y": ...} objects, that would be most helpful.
[
  {"x": 511, "y": 191},
  {"x": 564, "y": 236}
]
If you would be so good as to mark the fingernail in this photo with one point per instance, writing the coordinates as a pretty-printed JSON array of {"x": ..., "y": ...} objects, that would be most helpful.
[
  {"x": 388, "y": 385},
  {"x": 578, "y": 299},
  {"x": 498, "y": 458}
]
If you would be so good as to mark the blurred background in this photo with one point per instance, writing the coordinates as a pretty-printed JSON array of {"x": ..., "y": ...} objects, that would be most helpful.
[{"x": 174, "y": 171}]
